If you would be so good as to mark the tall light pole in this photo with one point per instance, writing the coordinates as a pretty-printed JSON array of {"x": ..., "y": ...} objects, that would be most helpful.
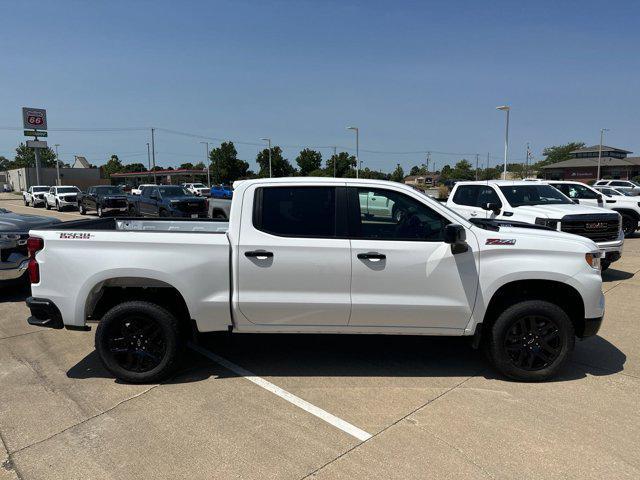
[
  {"x": 153, "y": 154},
  {"x": 57, "y": 163},
  {"x": 148, "y": 157},
  {"x": 357, "y": 149},
  {"x": 207, "y": 164},
  {"x": 505, "y": 108},
  {"x": 602, "y": 130},
  {"x": 269, "y": 141}
]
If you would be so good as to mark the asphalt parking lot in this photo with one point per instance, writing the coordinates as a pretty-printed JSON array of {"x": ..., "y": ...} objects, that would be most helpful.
[{"x": 429, "y": 407}]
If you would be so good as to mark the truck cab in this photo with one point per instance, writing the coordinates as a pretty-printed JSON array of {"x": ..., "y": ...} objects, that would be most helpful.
[{"x": 537, "y": 203}]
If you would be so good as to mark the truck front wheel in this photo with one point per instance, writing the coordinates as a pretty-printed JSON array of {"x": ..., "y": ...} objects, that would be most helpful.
[
  {"x": 530, "y": 341},
  {"x": 138, "y": 342}
]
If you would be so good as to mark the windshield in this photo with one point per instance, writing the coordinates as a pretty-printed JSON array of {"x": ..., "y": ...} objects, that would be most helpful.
[
  {"x": 40, "y": 189},
  {"x": 68, "y": 190},
  {"x": 519, "y": 195},
  {"x": 460, "y": 218},
  {"x": 109, "y": 190},
  {"x": 174, "y": 192},
  {"x": 198, "y": 185}
]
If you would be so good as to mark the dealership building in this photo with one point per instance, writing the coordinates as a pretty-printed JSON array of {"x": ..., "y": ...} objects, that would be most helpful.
[{"x": 583, "y": 165}]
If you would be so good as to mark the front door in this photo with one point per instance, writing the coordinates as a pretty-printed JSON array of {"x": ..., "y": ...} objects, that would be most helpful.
[
  {"x": 294, "y": 263},
  {"x": 403, "y": 274}
]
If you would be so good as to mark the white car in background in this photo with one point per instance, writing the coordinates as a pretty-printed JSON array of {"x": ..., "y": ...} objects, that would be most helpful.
[
  {"x": 61, "y": 197},
  {"x": 198, "y": 189},
  {"x": 34, "y": 196},
  {"x": 624, "y": 185},
  {"x": 138, "y": 189},
  {"x": 626, "y": 205}
]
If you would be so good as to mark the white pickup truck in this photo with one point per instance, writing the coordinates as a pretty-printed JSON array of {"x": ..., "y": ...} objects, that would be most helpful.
[
  {"x": 306, "y": 255},
  {"x": 537, "y": 203},
  {"x": 35, "y": 195}
]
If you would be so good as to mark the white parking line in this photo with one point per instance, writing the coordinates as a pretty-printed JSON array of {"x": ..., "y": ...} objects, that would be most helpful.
[
  {"x": 35, "y": 210},
  {"x": 289, "y": 397}
]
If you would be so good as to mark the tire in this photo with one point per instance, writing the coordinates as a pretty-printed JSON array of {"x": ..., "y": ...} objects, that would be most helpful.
[
  {"x": 515, "y": 346},
  {"x": 629, "y": 225},
  {"x": 100, "y": 212},
  {"x": 604, "y": 264},
  {"x": 57, "y": 205},
  {"x": 46, "y": 205},
  {"x": 81, "y": 209},
  {"x": 164, "y": 213},
  {"x": 138, "y": 342},
  {"x": 26, "y": 202}
]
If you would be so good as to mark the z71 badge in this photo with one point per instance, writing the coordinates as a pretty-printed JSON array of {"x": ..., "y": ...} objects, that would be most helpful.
[
  {"x": 500, "y": 241},
  {"x": 76, "y": 236}
]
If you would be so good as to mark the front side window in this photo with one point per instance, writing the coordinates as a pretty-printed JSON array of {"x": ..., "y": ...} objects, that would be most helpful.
[
  {"x": 539, "y": 194},
  {"x": 389, "y": 215},
  {"x": 296, "y": 211},
  {"x": 488, "y": 195}
]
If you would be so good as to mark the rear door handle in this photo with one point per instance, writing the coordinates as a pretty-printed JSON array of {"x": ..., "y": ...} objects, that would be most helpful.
[
  {"x": 373, "y": 256},
  {"x": 259, "y": 254}
]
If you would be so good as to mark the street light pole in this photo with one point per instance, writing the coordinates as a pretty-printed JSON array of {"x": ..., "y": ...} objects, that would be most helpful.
[
  {"x": 602, "y": 130},
  {"x": 357, "y": 149},
  {"x": 148, "y": 157},
  {"x": 207, "y": 161},
  {"x": 269, "y": 140},
  {"x": 57, "y": 163},
  {"x": 505, "y": 108},
  {"x": 153, "y": 154},
  {"x": 335, "y": 161}
]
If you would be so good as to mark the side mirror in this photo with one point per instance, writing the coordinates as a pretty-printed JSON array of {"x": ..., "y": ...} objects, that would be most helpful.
[
  {"x": 494, "y": 207},
  {"x": 454, "y": 234},
  {"x": 575, "y": 200},
  {"x": 599, "y": 198}
]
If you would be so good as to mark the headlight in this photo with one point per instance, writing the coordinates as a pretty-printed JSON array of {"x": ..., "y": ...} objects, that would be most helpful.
[
  {"x": 593, "y": 259},
  {"x": 547, "y": 222}
]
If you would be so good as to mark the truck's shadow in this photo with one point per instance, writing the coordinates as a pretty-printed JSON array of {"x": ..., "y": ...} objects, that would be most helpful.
[{"x": 272, "y": 355}]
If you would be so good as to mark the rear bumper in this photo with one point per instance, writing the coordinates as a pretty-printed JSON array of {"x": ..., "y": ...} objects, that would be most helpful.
[
  {"x": 13, "y": 269},
  {"x": 45, "y": 313}
]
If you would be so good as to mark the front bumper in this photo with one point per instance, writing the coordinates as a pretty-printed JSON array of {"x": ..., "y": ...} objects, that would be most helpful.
[
  {"x": 589, "y": 328},
  {"x": 45, "y": 313},
  {"x": 181, "y": 214},
  {"x": 612, "y": 251}
]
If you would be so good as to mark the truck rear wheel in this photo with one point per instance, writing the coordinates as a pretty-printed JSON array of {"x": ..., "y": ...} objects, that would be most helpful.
[
  {"x": 138, "y": 342},
  {"x": 81, "y": 209},
  {"x": 531, "y": 341}
]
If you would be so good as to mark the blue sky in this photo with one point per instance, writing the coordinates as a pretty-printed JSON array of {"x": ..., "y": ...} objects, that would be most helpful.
[{"x": 413, "y": 76}]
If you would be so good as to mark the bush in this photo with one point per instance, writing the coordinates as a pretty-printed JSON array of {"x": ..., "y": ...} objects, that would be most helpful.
[{"x": 443, "y": 192}]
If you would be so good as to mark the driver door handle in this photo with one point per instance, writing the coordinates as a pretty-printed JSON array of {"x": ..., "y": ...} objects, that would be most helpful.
[
  {"x": 373, "y": 256},
  {"x": 259, "y": 254}
]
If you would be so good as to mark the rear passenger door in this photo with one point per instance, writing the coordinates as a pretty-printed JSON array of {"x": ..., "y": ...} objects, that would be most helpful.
[
  {"x": 294, "y": 265},
  {"x": 466, "y": 198}
]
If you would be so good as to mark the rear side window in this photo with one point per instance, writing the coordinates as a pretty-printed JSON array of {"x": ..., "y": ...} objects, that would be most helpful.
[
  {"x": 467, "y": 195},
  {"x": 296, "y": 211},
  {"x": 620, "y": 184}
]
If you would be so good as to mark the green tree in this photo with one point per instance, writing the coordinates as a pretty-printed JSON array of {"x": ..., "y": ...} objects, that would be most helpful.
[
  {"x": 308, "y": 161},
  {"x": 490, "y": 173},
  {"x": 373, "y": 174},
  {"x": 344, "y": 163},
  {"x": 113, "y": 165},
  {"x": 5, "y": 163},
  {"x": 463, "y": 171},
  {"x": 558, "y": 153},
  {"x": 186, "y": 166},
  {"x": 134, "y": 167},
  {"x": 397, "y": 175},
  {"x": 280, "y": 166},
  {"x": 26, "y": 157},
  {"x": 419, "y": 170},
  {"x": 446, "y": 173},
  {"x": 225, "y": 165},
  {"x": 200, "y": 166}
]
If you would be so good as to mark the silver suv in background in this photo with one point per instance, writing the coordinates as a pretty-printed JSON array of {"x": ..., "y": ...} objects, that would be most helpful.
[{"x": 628, "y": 186}]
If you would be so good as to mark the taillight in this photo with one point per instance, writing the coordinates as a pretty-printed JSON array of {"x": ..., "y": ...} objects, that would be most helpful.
[{"x": 34, "y": 245}]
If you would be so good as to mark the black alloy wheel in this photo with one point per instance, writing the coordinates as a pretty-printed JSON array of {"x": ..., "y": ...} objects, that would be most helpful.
[
  {"x": 533, "y": 342},
  {"x": 629, "y": 225},
  {"x": 136, "y": 343}
]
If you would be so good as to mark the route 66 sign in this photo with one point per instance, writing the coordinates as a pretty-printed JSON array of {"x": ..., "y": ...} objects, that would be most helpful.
[{"x": 34, "y": 118}]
